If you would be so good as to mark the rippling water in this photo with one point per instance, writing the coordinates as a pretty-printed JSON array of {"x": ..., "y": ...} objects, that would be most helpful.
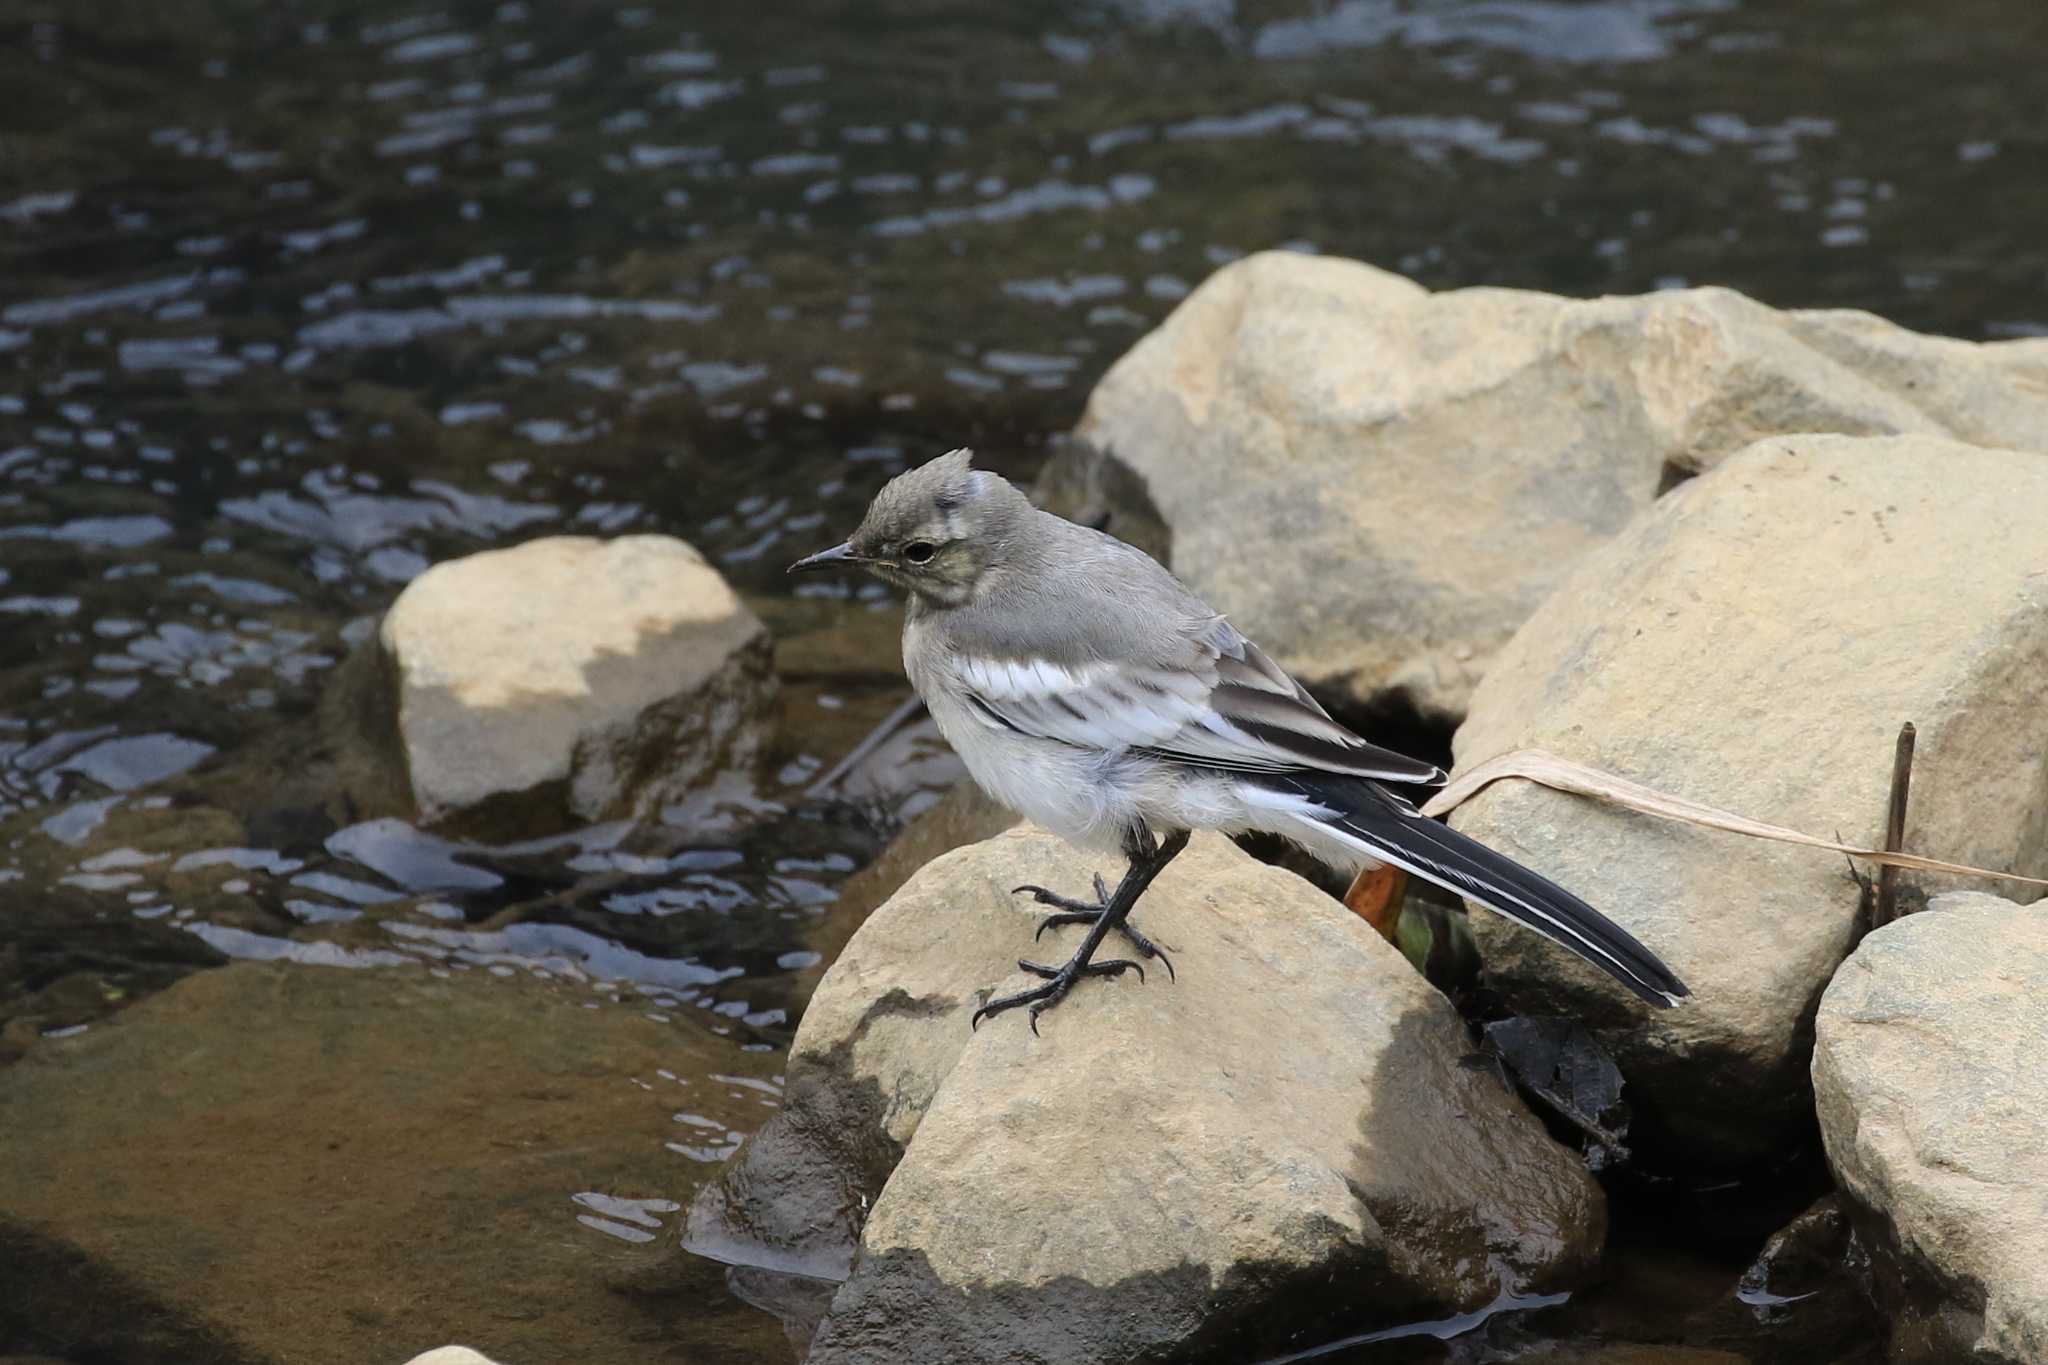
[{"x": 298, "y": 300}]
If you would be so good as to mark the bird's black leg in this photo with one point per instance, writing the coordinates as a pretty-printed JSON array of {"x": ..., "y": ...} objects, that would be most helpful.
[
  {"x": 1138, "y": 848},
  {"x": 1147, "y": 860},
  {"x": 1072, "y": 911}
]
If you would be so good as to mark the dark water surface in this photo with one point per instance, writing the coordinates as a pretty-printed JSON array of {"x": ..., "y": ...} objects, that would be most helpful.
[{"x": 296, "y": 299}]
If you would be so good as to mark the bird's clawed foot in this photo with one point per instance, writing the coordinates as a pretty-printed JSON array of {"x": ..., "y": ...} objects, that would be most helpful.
[
  {"x": 1058, "y": 981},
  {"x": 1083, "y": 912}
]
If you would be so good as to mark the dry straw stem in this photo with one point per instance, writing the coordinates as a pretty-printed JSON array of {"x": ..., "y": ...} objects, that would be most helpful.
[{"x": 1561, "y": 774}]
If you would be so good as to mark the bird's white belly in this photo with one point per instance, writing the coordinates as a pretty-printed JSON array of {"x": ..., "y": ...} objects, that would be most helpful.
[
  {"x": 1072, "y": 792},
  {"x": 1090, "y": 796}
]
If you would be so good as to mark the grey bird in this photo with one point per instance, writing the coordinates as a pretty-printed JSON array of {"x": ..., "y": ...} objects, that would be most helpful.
[{"x": 1088, "y": 689}]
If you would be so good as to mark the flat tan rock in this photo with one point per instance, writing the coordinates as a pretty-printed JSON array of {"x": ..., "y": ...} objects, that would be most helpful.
[
  {"x": 1754, "y": 643},
  {"x": 1933, "y": 1105},
  {"x": 1169, "y": 1168},
  {"x": 593, "y": 678},
  {"x": 1380, "y": 484}
]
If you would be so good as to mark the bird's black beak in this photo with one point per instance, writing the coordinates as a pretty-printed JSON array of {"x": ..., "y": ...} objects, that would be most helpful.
[{"x": 827, "y": 559}]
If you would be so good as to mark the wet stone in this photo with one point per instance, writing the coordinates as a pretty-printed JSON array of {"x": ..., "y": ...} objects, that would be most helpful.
[
  {"x": 833, "y": 638},
  {"x": 1808, "y": 1294},
  {"x": 1626, "y": 1353}
]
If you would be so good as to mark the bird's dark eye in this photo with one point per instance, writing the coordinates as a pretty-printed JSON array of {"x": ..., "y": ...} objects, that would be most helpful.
[{"x": 919, "y": 551}]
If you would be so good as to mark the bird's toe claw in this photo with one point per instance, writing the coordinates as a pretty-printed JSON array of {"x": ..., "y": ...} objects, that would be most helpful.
[
  {"x": 1047, "y": 896},
  {"x": 1063, "y": 917},
  {"x": 1058, "y": 981}
]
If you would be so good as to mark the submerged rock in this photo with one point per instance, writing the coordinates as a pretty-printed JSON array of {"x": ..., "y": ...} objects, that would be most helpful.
[
  {"x": 1379, "y": 484},
  {"x": 1288, "y": 1138},
  {"x": 282, "y": 1162},
  {"x": 1933, "y": 1104},
  {"x": 1807, "y": 1295},
  {"x": 579, "y": 679},
  {"x": 1754, "y": 643}
]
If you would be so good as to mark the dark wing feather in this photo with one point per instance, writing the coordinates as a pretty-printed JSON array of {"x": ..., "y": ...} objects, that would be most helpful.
[
  {"x": 1289, "y": 729},
  {"x": 1228, "y": 706}
]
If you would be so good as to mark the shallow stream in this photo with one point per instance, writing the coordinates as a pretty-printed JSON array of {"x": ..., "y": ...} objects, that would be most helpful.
[{"x": 299, "y": 299}]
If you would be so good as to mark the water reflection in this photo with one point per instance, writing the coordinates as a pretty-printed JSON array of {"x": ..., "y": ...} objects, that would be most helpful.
[
  {"x": 629, "y": 1220},
  {"x": 1582, "y": 33}
]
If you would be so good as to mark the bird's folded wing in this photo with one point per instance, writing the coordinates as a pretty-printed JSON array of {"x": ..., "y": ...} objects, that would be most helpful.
[{"x": 1230, "y": 708}]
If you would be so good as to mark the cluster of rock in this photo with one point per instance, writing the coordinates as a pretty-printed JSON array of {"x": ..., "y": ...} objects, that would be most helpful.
[
  {"x": 1383, "y": 483},
  {"x": 1719, "y": 549}
]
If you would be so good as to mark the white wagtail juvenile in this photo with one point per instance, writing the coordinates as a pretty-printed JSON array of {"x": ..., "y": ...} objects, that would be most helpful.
[{"x": 1087, "y": 688}]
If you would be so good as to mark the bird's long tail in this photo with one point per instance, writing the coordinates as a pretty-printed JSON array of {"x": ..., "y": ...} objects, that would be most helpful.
[{"x": 1376, "y": 824}]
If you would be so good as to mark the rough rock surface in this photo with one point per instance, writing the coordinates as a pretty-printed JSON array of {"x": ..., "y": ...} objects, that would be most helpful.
[
  {"x": 272, "y": 1162},
  {"x": 1457, "y": 452},
  {"x": 581, "y": 676},
  {"x": 1170, "y": 1170},
  {"x": 1754, "y": 643},
  {"x": 1934, "y": 1106}
]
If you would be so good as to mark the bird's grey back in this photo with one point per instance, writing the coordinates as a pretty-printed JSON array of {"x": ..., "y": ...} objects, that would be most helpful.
[{"x": 1070, "y": 595}]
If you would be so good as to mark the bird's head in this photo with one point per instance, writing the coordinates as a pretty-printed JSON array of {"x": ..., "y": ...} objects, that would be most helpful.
[{"x": 935, "y": 530}]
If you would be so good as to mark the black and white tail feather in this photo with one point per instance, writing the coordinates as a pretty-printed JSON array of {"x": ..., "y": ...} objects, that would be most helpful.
[{"x": 1380, "y": 825}]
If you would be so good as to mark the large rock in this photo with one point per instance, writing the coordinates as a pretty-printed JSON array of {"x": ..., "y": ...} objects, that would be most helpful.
[
  {"x": 1934, "y": 1105},
  {"x": 1754, "y": 643},
  {"x": 964, "y": 815},
  {"x": 1169, "y": 1170},
  {"x": 1380, "y": 484},
  {"x": 576, "y": 678},
  {"x": 272, "y": 1162}
]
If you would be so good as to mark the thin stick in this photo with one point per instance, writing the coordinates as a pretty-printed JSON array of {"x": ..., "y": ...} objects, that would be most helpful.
[
  {"x": 904, "y": 713},
  {"x": 1562, "y": 774},
  {"x": 1886, "y": 909},
  {"x": 676, "y": 840}
]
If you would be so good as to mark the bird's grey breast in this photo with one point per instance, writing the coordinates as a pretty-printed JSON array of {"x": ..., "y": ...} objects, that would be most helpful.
[{"x": 1059, "y": 786}]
